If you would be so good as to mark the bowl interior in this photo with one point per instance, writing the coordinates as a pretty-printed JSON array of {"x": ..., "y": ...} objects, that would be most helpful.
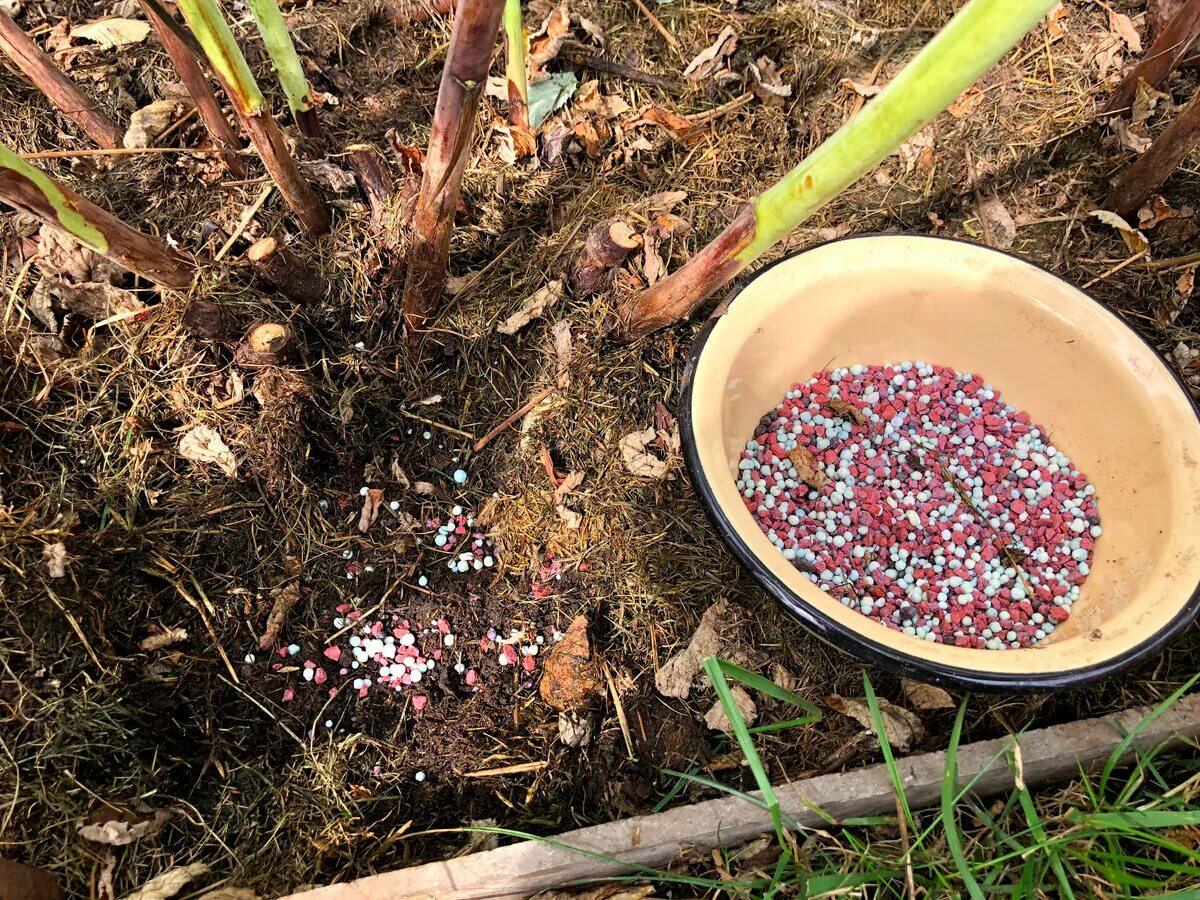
[{"x": 1103, "y": 396}]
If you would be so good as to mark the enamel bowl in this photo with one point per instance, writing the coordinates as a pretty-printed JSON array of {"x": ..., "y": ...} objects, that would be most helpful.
[{"x": 1104, "y": 395}]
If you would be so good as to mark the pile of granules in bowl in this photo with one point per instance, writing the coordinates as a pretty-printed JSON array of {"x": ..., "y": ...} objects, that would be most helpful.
[{"x": 914, "y": 494}]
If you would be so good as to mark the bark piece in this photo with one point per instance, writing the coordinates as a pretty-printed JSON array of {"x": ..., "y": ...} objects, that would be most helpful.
[
  {"x": 605, "y": 248},
  {"x": 533, "y": 307},
  {"x": 205, "y": 320},
  {"x": 376, "y": 182},
  {"x": 718, "y": 720},
  {"x": 288, "y": 272},
  {"x": 569, "y": 676},
  {"x": 463, "y": 79},
  {"x": 58, "y": 88}
]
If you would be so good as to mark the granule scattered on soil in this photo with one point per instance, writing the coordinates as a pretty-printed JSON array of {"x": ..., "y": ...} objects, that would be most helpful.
[{"x": 914, "y": 494}]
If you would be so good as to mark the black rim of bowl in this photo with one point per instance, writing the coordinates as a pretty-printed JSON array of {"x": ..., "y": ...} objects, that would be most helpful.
[{"x": 878, "y": 653}]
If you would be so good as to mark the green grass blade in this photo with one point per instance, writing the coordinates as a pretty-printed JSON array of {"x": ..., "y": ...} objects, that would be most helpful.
[
  {"x": 713, "y": 668},
  {"x": 1142, "y": 818},
  {"x": 757, "y": 682},
  {"x": 68, "y": 217},
  {"x": 277, "y": 40},
  {"x": 207, "y": 23},
  {"x": 1039, "y": 833},
  {"x": 949, "y": 788},
  {"x": 1115, "y": 757},
  {"x": 886, "y": 747}
]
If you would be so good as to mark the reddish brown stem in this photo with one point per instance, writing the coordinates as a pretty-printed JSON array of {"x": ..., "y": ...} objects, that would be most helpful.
[
  {"x": 1154, "y": 166},
  {"x": 138, "y": 252},
  {"x": 296, "y": 191},
  {"x": 375, "y": 179},
  {"x": 471, "y": 43},
  {"x": 1162, "y": 57},
  {"x": 677, "y": 295},
  {"x": 193, "y": 77},
  {"x": 309, "y": 125},
  {"x": 41, "y": 70},
  {"x": 288, "y": 272},
  {"x": 407, "y": 12}
]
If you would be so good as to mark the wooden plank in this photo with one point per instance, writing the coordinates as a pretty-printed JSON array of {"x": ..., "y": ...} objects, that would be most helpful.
[{"x": 1048, "y": 754}]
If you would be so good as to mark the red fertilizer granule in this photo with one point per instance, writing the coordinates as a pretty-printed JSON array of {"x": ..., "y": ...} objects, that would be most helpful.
[{"x": 914, "y": 494}]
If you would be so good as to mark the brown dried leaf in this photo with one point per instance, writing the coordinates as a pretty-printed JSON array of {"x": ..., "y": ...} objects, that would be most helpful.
[
  {"x": 863, "y": 90},
  {"x": 806, "y": 467},
  {"x": 545, "y": 43},
  {"x": 169, "y": 883},
  {"x": 574, "y": 729},
  {"x": 1001, "y": 227},
  {"x": 968, "y": 101},
  {"x": 766, "y": 82},
  {"x": 641, "y": 461},
  {"x": 533, "y": 307},
  {"x": 844, "y": 409},
  {"x": 593, "y": 31},
  {"x": 1156, "y": 209},
  {"x": 55, "y": 557},
  {"x": 147, "y": 123},
  {"x": 203, "y": 446},
  {"x": 1127, "y": 137},
  {"x": 1054, "y": 21},
  {"x": 1145, "y": 102},
  {"x": 569, "y": 516},
  {"x": 711, "y": 59},
  {"x": 326, "y": 173},
  {"x": 163, "y": 637},
  {"x": 675, "y": 677},
  {"x": 664, "y": 118},
  {"x": 370, "y": 508},
  {"x": 1186, "y": 283},
  {"x": 1134, "y": 239},
  {"x": 926, "y": 696},
  {"x": 564, "y": 351},
  {"x": 119, "y": 832},
  {"x": 903, "y": 728},
  {"x": 718, "y": 720},
  {"x": 95, "y": 300},
  {"x": 665, "y": 201},
  {"x": 230, "y": 893},
  {"x": 288, "y": 596},
  {"x": 1122, "y": 26},
  {"x": 569, "y": 674},
  {"x": 111, "y": 32},
  {"x": 60, "y": 256},
  {"x": 589, "y": 99}
]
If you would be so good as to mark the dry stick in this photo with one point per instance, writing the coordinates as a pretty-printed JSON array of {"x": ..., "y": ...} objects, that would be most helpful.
[
  {"x": 463, "y": 79},
  {"x": 138, "y": 252},
  {"x": 243, "y": 221},
  {"x": 186, "y": 64},
  {"x": 658, "y": 26},
  {"x": 1154, "y": 166},
  {"x": 115, "y": 151},
  {"x": 1162, "y": 57},
  {"x": 375, "y": 179},
  {"x": 405, "y": 13},
  {"x": 62, "y": 92},
  {"x": 533, "y": 401},
  {"x": 288, "y": 272},
  {"x": 629, "y": 73}
]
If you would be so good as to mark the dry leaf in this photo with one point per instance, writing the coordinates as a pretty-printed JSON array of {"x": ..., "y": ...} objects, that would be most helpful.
[
  {"x": 1122, "y": 26},
  {"x": 169, "y": 883},
  {"x": 1156, "y": 209},
  {"x": 863, "y": 90},
  {"x": 718, "y": 720},
  {"x": 807, "y": 468},
  {"x": 1134, "y": 239},
  {"x": 675, "y": 677},
  {"x": 1127, "y": 138},
  {"x": 593, "y": 31},
  {"x": 545, "y": 43},
  {"x": 564, "y": 351},
  {"x": 1185, "y": 283},
  {"x": 230, "y": 893},
  {"x": 163, "y": 637},
  {"x": 370, "y": 508},
  {"x": 674, "y": 123},
  {"x": 572, "y": 518},
  {"x": 112, "y": 32},
  {"x": 665, "y": 201},
  {"x": 569, "y": 675},
  {"x": 55, "y": 556},
  {"x": 1145, "y": 102},
  {"x": 333, "y": 177},
  {"x": 147, "y": 123},
  {"x": 288, "y": 596},
  {"x": 917, "y": 152},
  {"x": 968, "y": 101},
  {"x": 641, "y": 461},
  {"x": 902, "y": 727},
  {"x": 574, "y": 729},
  {"x": 1054, "y": 21},
  {"x": 711, "y": 59},
  {"x": 1001, "y": 227},
  {"x": 766, "y": 82},
  {"x": 202, "y": 445},
  {"x": 925, "y": 696},
  {"x": 118, "y": 832},
  {"x": 21, "y": 882},
  {"x": 61, "y": 257},
  {"x": 96, "y": 300},
  {"x": 533, "y": 307}
]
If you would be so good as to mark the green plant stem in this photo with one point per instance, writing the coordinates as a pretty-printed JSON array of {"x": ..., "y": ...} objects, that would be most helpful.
[
  {"x": 514, "y": 66},
  {"x": 216, "y": 39},
  {"x": 278, "y": 41},
  {"x": 964, "y": 49},
  {"x": 30, "y": 190}
]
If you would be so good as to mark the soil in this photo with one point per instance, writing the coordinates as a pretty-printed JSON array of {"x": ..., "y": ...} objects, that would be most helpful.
[{"x": 259, "y": 789}]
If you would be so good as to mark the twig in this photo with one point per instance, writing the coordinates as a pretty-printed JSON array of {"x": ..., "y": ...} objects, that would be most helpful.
[
  {"x": 533, "y": 401},
  {"x": 629, "y": 73},
  {"x": 620, "y": 710},
  {"x": 971, "y": 177},
  {"x": 249, "y": 214},
  {"x": 198, "y": 607},
  {"x": 508, "y": 770},
  {"x": 906, "y": 846},
  {"x": 1188, "y": 259},
  {"x": 1000, "y": 542},
  {"x": 709, "y": 115},
  {"x": 1117, "y": 268},
  {"x": 658, "y": 26},
  {"x": 115, "y": 151},
  {"x": 432, "y": 423}
]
